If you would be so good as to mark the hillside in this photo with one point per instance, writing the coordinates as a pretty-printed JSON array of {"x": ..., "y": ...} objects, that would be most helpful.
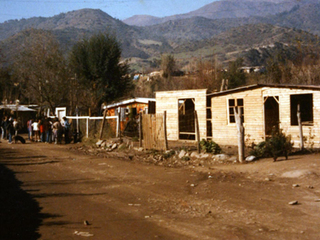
[
  {"x": 224, "y": 9},
  {"x": 73, "y": 26},
  {"x": 304, "y": 17},
  {"x": 85, "y": 19},
  {"x": 240, "y": 41},
  {"x": 188, "y": 38}
]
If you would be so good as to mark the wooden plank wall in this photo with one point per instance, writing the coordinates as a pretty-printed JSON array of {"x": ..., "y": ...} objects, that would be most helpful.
[
  {"x": 168, "y": 101},
  {"x": 153, "y": 131},
  {"x": 225, "y": 133}
]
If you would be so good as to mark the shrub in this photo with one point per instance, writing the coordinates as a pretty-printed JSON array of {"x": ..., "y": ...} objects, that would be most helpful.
[
  {"x": 210, "y": 146},
  {"x": 259, "y": 150},
  {"x": 169, "y": 154},
  {"x": 279, "y": 145}
]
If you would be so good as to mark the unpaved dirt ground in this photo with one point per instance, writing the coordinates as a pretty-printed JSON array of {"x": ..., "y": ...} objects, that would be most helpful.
[{"x": 52, "y": 191}]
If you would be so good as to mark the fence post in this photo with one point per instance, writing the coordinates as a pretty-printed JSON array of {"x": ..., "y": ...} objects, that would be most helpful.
[
  {"x": 197, "y": 130},
  {"x": 165, "y": 130},
  {"x": 140, "y": 129},
  {"x": 103, "y": 122},
  {"x": 77, "y": 122},
  {"x": 118, "y": 126},
  {"x": 87, "y": 130}
]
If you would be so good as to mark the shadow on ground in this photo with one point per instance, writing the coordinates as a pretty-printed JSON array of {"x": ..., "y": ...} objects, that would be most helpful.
[{"x": 20, "y": 215}]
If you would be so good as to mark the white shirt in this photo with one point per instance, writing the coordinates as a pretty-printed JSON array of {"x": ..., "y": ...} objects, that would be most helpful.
[{"x": 35, "y": 126}]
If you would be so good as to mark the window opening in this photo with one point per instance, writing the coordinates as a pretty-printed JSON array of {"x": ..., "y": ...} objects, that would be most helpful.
[
  {"x": 235, "y": 103},
  {"x": 306, "y": 109}
]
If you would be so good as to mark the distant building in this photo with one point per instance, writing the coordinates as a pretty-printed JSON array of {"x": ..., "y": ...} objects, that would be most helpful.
[
  {"x": 22, "y": 112},
  {"x": 131, "y": 107}
]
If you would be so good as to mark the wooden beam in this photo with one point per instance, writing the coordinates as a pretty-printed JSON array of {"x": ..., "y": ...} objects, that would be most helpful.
[
  {"x": 165, "y": 130},
  {"x": 240, "y": 128},
  {"x": 140, "y": 129},
  {"x": 102, "y": 124},
  {"x": 197, "y": 130}
]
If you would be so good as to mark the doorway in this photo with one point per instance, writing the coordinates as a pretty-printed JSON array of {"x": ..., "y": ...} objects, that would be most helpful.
[
  {"x": 271, "y": 115},
  {"x": 186, "y": 119}
]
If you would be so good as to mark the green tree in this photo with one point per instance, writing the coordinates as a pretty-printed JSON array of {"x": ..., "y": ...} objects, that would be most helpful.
[
  {"x": 274, "y": 73},
  {"x": 168, "y": 65},
  {"x": 235, "y": 76},
  {"x": 8, "y": 90},
  {"x": 99, "y": 72},
  {"x": 40, "y": 69}
]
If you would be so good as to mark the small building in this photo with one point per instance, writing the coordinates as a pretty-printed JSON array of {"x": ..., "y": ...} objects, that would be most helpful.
[
  {"x": 263, "y": 106},
  {"x": 180, "y": 107},
  {"x": 130, "y": 106},
  {"x": 22, "y": 112}
]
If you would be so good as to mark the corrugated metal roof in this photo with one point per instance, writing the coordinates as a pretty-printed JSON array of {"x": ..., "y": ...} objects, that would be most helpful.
[
  {"x": 129, "y": 101},
  {"x": 17, "y": 108}
]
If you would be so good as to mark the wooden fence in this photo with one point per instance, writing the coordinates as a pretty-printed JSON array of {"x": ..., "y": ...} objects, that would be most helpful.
[
  {"x": 87, "y": 118},
  {"x": 154, "y": 131}
]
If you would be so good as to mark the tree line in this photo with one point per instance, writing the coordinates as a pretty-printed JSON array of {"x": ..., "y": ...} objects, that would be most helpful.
[
  {"x": 41, "y": 73},
  {"x": 93, "y": 72}
]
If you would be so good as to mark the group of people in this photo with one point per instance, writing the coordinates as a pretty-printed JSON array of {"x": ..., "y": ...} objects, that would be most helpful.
[
  {"x": 49, "y": 130},
  {"x": 9, "y": 128},
  {"x": 44, "y": 129}
]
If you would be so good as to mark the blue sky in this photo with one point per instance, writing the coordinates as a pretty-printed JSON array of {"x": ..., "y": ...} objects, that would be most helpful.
[{"x": 121, "y": 9}]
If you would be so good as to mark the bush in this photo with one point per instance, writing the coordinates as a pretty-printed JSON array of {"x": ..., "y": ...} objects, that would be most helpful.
[
  {"x": 169, "y": 154},
  {"x": 210, "y": 146},
  {"x": 278, "y": 145},
  {"x": 259, "y": 150}
]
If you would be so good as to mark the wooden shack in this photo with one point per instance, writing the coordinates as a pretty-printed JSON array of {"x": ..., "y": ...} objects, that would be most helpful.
[
  {"x": 180, "y": 107},
  {"x": 131, "y": 106},
  {"x": 22, "y": 112},
  {"x": 265, "y": 107}
]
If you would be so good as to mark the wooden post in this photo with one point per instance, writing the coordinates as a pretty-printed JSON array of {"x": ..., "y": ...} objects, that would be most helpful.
[
  {"x": 87, "y": 130},
  {"x": 119, "y": 124},
  {"x": 197, "y": 130},
  {"x": 240, "y": 128},
  {"x": 77, "y": 114},
  {"x": 102, "y": 124},
  {"x": 140, "y": 129},
  {"x": 222, "y": 85},
  {"x": 300, "y": 128},
  {"x": 165, "y": 130}
]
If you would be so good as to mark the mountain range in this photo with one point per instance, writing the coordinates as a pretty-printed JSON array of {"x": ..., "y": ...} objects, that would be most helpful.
[
  {"x": 226, "y": 28},
  {"x": 222, "y": 10}
]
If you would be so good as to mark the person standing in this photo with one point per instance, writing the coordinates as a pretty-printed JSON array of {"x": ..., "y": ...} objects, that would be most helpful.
[
  {"x": 10, "y": 129},
  {"x": 3, "y": 128},
  {"x": 41, "y": 129},
  {"x": 45, "y": 129},
  {"x": 29, "y": 126},
  {"x": 35, "y": 127},
  {"x": 15, "y": 126},
  {"x": 56, "y": 129},
  {"x": 66, "y": 126},
  {"x": 49, "y": 132}
]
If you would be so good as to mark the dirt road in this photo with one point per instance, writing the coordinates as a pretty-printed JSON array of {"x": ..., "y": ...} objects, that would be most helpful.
[{"x": 50, "y": 192}]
